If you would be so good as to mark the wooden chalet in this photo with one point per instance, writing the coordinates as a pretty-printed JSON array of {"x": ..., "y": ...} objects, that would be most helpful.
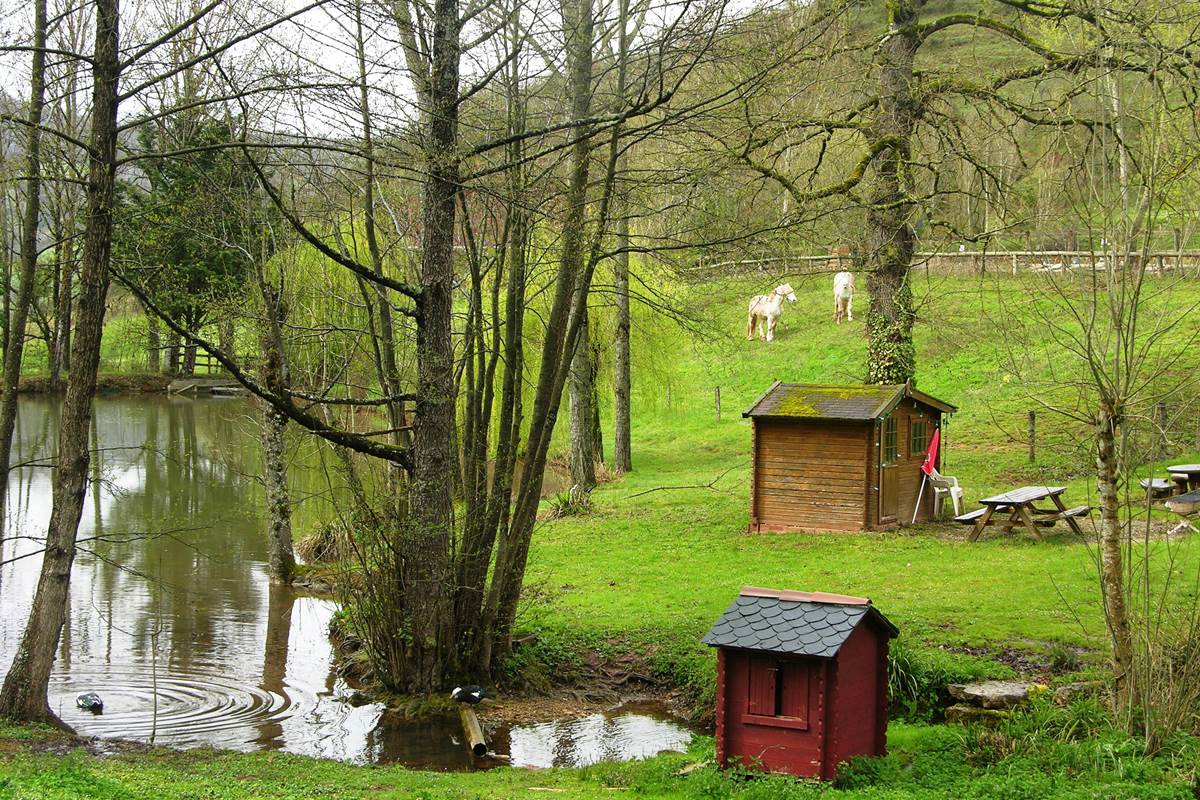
[{"x": 841, "y": 457}]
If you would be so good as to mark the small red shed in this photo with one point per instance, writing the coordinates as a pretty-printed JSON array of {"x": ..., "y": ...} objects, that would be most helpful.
[
  {"x": 842, "y": 458},
  {"x": 801, "y": 681}
]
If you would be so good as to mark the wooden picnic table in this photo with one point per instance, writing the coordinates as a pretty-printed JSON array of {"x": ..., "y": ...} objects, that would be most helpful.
[
  {"x": 1185, "y": 476},
  {"x": 1018, "y": 508}
]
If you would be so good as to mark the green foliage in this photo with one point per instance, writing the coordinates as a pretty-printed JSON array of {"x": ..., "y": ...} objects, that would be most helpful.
[
  {"x": 555, "y": 657},
  {"x": 193, "y": 233},
  {"x": 573, "y": 502},
  {"x": 918, "y": 676}
]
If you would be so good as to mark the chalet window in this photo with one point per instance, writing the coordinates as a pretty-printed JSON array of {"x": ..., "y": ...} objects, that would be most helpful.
[
  {"x": 891, "y": 442},
  {"x": 779, "y": 692},
  {"x": 919, "y": 437}
]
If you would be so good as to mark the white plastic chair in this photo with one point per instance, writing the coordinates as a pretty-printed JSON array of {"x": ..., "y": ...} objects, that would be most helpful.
[{"x": 944, "y": 485}]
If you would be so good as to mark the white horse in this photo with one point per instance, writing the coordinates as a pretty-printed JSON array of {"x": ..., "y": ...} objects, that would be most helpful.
[
  {"x": 765, "y": 310},
  {"x": 843, "y": 297}
]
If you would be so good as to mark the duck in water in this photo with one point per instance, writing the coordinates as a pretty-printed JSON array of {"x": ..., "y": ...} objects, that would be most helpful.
[
  {"x": 90, "y": 701},
  {"x": 469, "y": 694}
]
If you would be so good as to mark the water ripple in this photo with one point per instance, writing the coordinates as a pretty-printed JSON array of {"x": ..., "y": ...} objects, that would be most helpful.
[{"x": 182, "y": 709}]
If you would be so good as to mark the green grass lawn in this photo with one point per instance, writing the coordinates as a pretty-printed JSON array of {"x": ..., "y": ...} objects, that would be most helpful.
[
  {"x": 1047, "y": 753},
  {"x": 664, "y": 550},
  {"x": 661, "y": 565}
]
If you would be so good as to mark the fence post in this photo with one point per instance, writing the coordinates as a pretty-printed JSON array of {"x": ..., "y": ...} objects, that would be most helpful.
[
  {"x": 1014, "y": 263},
  {"x": 1032, "y": 437},
  {"x": 717, "y": 399}
]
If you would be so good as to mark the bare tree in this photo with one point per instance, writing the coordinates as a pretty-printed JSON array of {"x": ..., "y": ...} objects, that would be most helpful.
[
  {"x": 1120, "y": 345},
  {"x": 29, "y": 243},
  {"x": 23, "y": 695}
]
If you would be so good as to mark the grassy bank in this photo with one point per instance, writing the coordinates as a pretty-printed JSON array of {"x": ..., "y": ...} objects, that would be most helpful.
[{"x": 1050, "y": 752}]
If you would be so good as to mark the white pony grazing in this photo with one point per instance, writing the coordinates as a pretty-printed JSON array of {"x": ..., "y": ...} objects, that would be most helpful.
[
  {"x": 765, "y": 310},
  {"x": 843, "y": 297}
]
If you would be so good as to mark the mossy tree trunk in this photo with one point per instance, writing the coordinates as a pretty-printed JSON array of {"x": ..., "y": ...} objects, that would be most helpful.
[
  {"x": 890, "y": 241},
  {"x": 280, "y": 555},
  {"x": 622, "y": 378},
  {"x": 582, "y": 428}
]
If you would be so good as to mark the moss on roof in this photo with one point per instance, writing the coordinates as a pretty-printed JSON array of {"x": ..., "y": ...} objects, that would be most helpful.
[
  {"x": 853, "y": 401},
  {"x": 810, "y": 401}
]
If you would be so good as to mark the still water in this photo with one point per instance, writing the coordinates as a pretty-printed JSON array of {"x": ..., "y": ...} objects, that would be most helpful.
[{"x": 174, "y": 623}]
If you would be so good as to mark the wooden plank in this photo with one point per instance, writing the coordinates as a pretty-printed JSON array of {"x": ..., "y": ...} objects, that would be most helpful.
[
  {"x": 1026, "y": 494},
  {"x": 789, "y": 480},
  {"x": 776, "y": 513},
  {"x": 473, "y": 730}
]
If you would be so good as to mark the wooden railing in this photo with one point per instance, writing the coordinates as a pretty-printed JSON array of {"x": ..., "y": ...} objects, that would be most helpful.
[{"x": 996, "y": 262}]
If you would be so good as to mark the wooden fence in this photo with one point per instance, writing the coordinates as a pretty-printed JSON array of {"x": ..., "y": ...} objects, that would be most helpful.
[{"x": 995, "y": 262}]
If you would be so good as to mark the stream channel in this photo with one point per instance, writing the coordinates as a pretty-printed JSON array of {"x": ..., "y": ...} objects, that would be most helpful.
[{"x": 174, "y": 623}]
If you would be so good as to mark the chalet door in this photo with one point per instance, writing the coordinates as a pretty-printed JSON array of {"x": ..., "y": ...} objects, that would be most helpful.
[{"x": 889, "y": 458}]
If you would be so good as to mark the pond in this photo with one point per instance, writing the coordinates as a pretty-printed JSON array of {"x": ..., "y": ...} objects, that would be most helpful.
[{"x": 174, "y": 623}]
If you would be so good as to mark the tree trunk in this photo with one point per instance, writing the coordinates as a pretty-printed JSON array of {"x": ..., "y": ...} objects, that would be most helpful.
[
  {"x": 1112, "y": 547},
  {"x": 389, "y": 373},
  {"x": 29, "y": 248},
  {"x": 153, "y": 344},
  {"x": 6, "y": 217},
  {"x": 280, "y": 555},
  {"x": 597, "y": 429},
  {"x": 476, "y": 555},
  {"x": 562, "y": 332},
  {"x": 23, "y": 696},
  {"x": 172, "y": 354},
  {"x": 426, "y": 578},
  {"x": 225, "y": 339},
  {"x": 583, "y": 442},
  {"x": 189, "y": 360},
  {"x": 622, "y": 454},
  {"x": 62, "y": 314},
  {"x": 53, "y": 355},
  {"x": 889, "y": 246}
]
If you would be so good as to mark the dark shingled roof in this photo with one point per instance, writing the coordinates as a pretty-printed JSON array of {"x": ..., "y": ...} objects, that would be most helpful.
[
  {"x": 796, "y": 623},
  {"x": 852, "y": 402}
]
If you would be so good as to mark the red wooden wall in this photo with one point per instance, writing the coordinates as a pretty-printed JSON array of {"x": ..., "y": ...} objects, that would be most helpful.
[{"x": 803, "y": 715}]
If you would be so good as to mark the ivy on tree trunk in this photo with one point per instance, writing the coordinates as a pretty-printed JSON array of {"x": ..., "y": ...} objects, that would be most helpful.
[{"x": 891, "y": 357}]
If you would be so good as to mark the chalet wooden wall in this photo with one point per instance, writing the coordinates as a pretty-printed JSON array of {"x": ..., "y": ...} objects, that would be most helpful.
[{"x": 809, "y": 474}]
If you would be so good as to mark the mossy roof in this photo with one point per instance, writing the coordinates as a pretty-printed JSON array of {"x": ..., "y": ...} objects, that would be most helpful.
[{"x": 850, "y": 402}]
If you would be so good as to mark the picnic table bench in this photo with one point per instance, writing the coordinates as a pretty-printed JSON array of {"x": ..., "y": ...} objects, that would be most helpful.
[
  {"x": 1186, "y": 505},
  {"x": 1185, "y": 476},
  {"x": 1156, "y": 487},
  {"x": 1018, "y": 508}
]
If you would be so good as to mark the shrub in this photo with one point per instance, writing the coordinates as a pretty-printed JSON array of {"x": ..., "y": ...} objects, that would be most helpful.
[
  {"x": 917, "y": 678},
  {"x": 573, "y": 502}
]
